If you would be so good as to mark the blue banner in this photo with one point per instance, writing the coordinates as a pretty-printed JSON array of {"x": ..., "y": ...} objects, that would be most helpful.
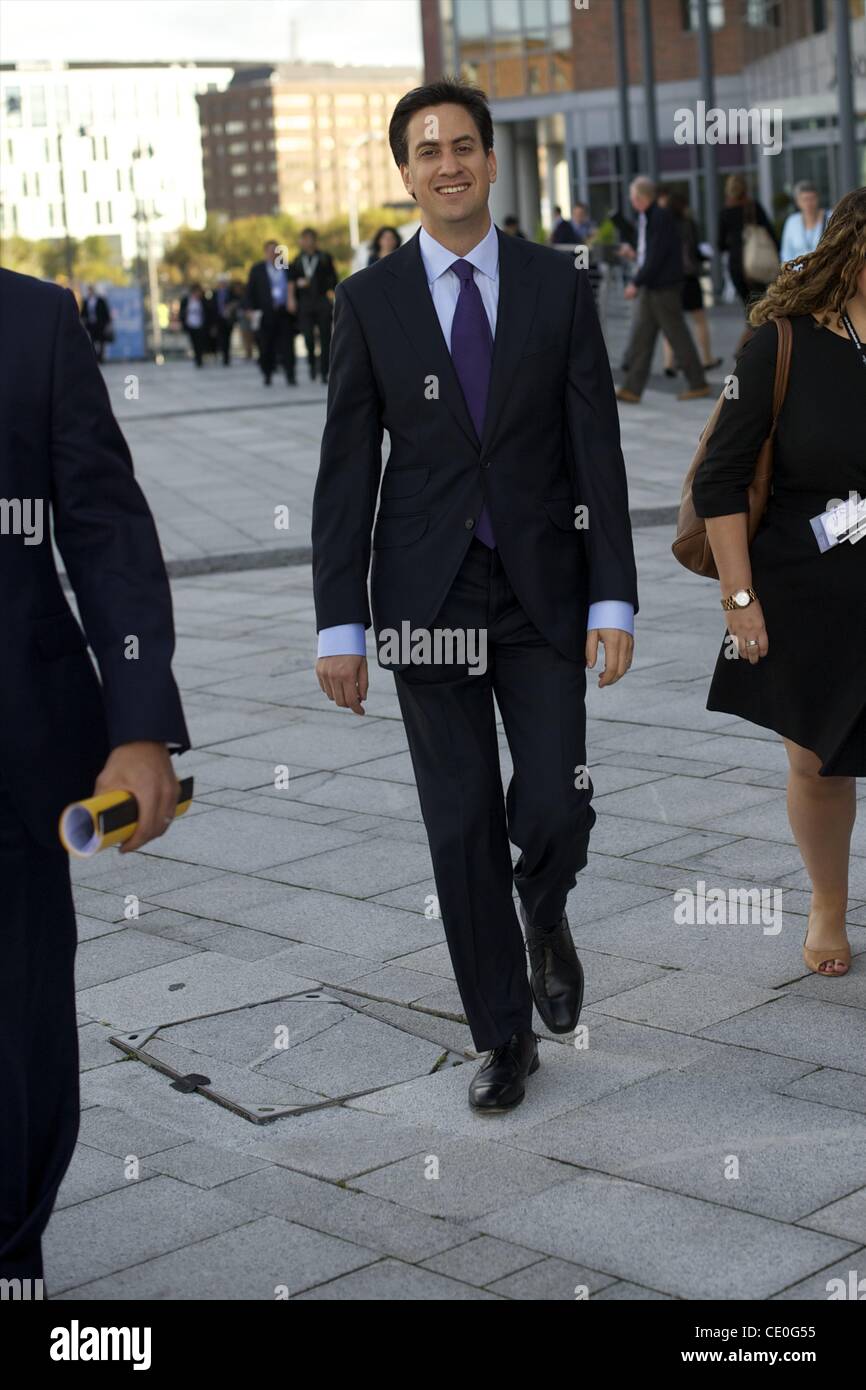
[{"x": 127, "y": 317}]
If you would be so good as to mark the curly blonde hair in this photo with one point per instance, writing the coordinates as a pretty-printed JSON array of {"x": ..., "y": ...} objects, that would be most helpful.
[{"x": 823, "y": 281}]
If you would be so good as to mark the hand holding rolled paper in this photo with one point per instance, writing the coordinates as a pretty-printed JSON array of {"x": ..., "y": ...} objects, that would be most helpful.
[{"x": 111, "y": 818}]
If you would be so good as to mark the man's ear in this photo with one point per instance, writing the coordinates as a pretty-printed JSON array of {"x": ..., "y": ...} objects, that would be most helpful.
[{"x": 406, "y": 176}]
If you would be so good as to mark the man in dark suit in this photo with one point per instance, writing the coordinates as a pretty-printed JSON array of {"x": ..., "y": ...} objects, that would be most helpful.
[
  {"x": 502, "y": 550},
  {"x": 315, "y": 280},
  {"x": 658, "y": 288},
  {"x": 97, "y": 320},
  {"x": 271, "y": 294},
  {"x": 226, "y": 303},
  {"x": 63, "y": 732}
]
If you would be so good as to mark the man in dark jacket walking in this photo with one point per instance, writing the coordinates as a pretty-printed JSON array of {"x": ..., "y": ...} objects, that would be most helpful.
[
  {"x": 315, "y": 280},
  {"x": 658, "y": 287}
]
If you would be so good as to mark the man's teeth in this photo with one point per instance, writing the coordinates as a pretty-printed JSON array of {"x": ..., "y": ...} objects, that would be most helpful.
[{"x": 455, "y": 188}]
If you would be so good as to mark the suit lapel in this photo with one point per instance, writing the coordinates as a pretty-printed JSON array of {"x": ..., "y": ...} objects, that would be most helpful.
[
  {"x": 518, "y": 293},
  {"x": 412, "y": 302}
]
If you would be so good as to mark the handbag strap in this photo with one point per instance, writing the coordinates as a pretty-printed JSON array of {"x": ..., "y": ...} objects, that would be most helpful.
[{"x": 783, "y": 367}]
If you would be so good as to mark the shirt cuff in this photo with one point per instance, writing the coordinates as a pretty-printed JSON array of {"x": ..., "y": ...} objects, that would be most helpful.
[
  {"x": 611, "y": 613},
  {"x": 347, "y": 639}
]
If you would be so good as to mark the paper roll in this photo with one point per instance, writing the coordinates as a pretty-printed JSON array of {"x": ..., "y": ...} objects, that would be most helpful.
[{"x": 111, "y": 818}]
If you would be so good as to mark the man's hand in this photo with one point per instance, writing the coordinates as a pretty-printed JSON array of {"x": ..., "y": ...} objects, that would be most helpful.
[
  {"x": 618, "y": 652},
  {"x": 631, "y": 292},
  {"x": 344, "y": 680},
  {"x": 145, "y": 770}
]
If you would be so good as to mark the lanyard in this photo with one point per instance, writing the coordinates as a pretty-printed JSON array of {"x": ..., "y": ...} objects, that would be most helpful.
[{"x": 852, "y": 334}]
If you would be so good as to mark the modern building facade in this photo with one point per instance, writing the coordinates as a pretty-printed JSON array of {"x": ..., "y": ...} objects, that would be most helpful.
[
  {"x": 550, "y": 68},
  {"x": 305, "y": 139},
  {"x": 110, "y": 150}
]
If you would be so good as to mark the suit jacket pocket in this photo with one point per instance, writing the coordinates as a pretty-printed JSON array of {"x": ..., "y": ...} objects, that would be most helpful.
[
  {"x": 398, "y": 530},
  {"x": 405, "y": 481},
  {"x": 58, "y": 635},
  {"x": 561, "y": 512}
]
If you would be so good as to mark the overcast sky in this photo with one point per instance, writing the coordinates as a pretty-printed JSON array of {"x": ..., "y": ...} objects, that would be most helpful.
[{"x": 339, "y": 31}]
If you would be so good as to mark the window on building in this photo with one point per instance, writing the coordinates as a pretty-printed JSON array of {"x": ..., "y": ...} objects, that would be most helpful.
[
  {"x": 84, "y": 180},
  {"x": 235, "y": 127},
  {"x": 691, "y": 10},
  {"x": 37, "y": 106},
  {"x": 471, "y": 19},
  {"x": 762, "y": 14},
  {"x": 238, "y": 147},
  {"x": 237, "y": 171},
  {"x": 535, "y": 21}
]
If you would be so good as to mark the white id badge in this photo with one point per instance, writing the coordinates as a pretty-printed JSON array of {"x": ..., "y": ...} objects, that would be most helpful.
[{"x": 846, "y": 522}]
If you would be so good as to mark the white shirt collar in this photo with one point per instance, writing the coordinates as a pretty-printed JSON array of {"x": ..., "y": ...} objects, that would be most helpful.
[{"x": 437, "y": 258}]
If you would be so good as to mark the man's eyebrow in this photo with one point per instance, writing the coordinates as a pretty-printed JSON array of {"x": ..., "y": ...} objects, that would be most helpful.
[{"x": 458, "y": 140}]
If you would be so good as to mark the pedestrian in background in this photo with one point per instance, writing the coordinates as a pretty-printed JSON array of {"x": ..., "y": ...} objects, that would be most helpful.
[
  {"x": 271, "y": 295},
  {"x": 804, "y": 228},
  {"x": 194, "y": 319},
  {"x": 386, "y": 240},
  {"x": 747, "y": 235},
  {"x": 96, "y": 317},
  {"x": 693, "y": 294},
  {"x": 226, "y": 301},
  {"x": 315, "y": 278},
  {"x": 658, "y": 287}
]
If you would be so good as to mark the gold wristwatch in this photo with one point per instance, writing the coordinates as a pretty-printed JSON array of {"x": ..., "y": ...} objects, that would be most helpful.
[{"x": 741, "y": 599}]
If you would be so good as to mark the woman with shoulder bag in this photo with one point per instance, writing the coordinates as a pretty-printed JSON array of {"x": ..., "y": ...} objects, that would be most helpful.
[{"x": 795, "y": 601}]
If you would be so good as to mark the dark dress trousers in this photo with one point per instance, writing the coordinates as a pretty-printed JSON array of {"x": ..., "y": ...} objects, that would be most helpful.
[
  {"x": 315, "y": 310},
  {"x": 61, "y": 447},
  {"x": 277, "y": 327},
  {"x": 550, "y": 442}
]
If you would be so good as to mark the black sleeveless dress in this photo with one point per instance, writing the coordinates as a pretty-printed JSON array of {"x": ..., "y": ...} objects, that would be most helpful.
[{"x": 811, "y": 687}]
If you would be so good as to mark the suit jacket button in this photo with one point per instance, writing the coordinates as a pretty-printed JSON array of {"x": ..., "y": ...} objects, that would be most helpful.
[
  {"x": 486, "y": 463},
  {"x": 469, "y": 523}
]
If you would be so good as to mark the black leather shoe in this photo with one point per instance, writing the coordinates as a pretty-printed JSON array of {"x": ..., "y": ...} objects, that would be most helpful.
[
  {"x": 555, "y": 974},
  {"x": 500, "y": 1082}
]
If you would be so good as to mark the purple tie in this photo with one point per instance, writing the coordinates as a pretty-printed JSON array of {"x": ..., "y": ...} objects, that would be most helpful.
[{"x": 472, "y": 354}]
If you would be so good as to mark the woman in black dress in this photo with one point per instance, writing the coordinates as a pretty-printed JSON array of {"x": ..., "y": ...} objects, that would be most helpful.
[{"x": 795, "y": 661}]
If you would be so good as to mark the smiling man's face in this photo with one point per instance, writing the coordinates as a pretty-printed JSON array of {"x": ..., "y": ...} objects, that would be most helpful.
[{"x": 448, "y": 171}]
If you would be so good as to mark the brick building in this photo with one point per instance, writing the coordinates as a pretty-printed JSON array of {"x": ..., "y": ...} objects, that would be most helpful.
[
  {"x": 289, "y": 139},
  {"x": 549, "y": 67}
]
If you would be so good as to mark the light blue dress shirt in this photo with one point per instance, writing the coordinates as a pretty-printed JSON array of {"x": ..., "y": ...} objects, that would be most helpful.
[
  {"x": 798, "y": 239},
  {"x": 348, "y": 638}
]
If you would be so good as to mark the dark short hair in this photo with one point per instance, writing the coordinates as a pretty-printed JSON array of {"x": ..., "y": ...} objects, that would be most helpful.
[
  {"x": 511, "y": 220},
  {"x": 309, "y": 231},
  {"x": 448, "y": 91}
]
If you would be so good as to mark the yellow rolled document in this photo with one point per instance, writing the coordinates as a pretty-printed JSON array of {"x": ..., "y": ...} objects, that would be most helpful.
[{"x": 111, "y": 818}]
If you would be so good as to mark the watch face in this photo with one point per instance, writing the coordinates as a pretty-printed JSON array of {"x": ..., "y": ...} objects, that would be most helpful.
[{"x": 741, "y": 599}]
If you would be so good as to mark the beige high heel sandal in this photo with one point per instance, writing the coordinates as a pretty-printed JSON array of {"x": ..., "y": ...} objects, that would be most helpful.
[{"x": 815, "y": 958}]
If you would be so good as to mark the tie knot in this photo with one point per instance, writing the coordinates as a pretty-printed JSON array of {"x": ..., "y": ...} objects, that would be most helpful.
[{"x": 463, "y": 271}]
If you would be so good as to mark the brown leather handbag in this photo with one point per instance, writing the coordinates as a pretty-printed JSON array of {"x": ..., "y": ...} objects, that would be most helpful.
[{"x": 692, "y": 546}]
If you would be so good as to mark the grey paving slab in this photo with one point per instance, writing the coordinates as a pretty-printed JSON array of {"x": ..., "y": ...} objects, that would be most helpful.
[
  {"x": 391, "y": 1281},
  {"x": 338, "y": 1143},
  {"x": 109, "y": 1233},
  {"x": 355, "y": 1216},
  {"x": 360, "y": 870},
  {"x": 684, "y": 1001},
  {"x": 663, "y": 1240},
  {"x": 94, "y": 1049},
  {"x": 482, "y": 1261},
  {"x": 845, "y": 1218},
  {"x": 123, "y": 953},
  {"x": 734, "y": 1143},
  {"x": 837, "y": 1281},
  {"x": 203, "y": 1165},
  {"x": 228, "y": 838},
  {"x": 265, "y": 1259},
  {"x": 462, "y": 1178},
  {"x": 356, "y": 1054},
  {"x": 92, "y": 1173},
  {"x": 553, "y": 1280},
  {"x": 115, "y": 1132},
  {"x": 828, "y": 1087},
  {"x": 199, "y": 984},
  {"x": 814, "y": 1031},
  {"x": 617, "y": 1055}
]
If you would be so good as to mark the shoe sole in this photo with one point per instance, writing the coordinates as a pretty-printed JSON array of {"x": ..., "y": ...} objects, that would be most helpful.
[{"x": 503, "y": 1109}]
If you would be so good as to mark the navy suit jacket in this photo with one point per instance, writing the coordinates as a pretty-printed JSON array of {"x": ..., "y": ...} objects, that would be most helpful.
[
  {"x": 62, "y": 449},
  {"x": 550, "y": 443}
]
